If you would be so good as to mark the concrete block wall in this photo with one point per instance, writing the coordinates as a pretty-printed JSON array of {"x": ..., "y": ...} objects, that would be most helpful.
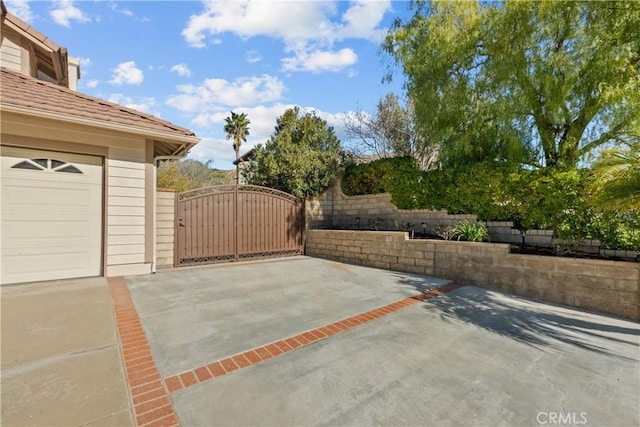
[
  {"x": 334, "y": 209},
  {"x": 610, "y": 287},
  {"x": 165, "y": 217}
]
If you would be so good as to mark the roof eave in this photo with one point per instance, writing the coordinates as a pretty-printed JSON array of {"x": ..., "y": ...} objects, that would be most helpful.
[{"x": 168, "y": 137}]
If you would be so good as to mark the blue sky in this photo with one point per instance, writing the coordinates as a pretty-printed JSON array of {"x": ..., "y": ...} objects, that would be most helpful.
[{"x": 191, "y": 62}]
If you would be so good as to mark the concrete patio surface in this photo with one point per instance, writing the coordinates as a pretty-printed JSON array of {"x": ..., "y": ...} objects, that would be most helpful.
[
  {"x": 468, "y": 357},
  {"x": 194, "y": 317},
  {"x": 61, "y": 363},
  {"x": 464, "y": 356}
]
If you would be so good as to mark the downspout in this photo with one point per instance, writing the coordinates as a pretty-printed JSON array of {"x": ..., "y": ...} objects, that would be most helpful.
[{"x": 157, "y": 159}]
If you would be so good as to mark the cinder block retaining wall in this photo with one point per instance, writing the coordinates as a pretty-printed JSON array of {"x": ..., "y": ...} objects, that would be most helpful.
[
  {"x": 165, "y": 217},
  {"x": 334, "y": 209},
  {"x": 610, "y": 287}
]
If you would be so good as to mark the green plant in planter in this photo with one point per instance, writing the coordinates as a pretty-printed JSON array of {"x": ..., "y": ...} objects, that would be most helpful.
[{"x": 470, "y": 231}]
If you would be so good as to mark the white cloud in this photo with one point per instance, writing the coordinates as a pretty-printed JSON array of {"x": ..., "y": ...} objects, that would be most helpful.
[
  {"x": 363, "y": 18},
  {"x": 308, "y": 28},
  {"x": 246, "y": 18},
  {"x": 253, "y": 56},
  {"x": 181, "y": 69},
  {"x": 142, "y": 103},
  {"x": 263, "y": 119},
  {"x": 127, "y": 73},
  {"x": 21, "y": 9},
  {"x": 219, "y": 150},
  {"x": 128, "y": 13},
  {"x": 220, "y": 93},
  {"x": 319, "y": 61},
  {"x": 92, "y": 83},
  {"x": 64, "y": 11},
  {"x": 125, "y": 12},
  {"x": 300, "y": 20},
  {"x": 84, "y": 62}
]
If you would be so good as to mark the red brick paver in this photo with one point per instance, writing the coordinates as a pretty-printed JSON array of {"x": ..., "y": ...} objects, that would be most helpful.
[
  {"x": 149, "y": 396},
  {"x": 286, "y": 345}
]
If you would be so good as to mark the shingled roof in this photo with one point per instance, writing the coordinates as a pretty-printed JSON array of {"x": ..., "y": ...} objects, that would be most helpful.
[{"x": 27, "y": 93}]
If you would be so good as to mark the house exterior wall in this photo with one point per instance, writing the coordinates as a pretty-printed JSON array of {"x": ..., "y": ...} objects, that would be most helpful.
[
  {"x": 11, "y": 50},
  {"x": 128, "y": 220},
  {"x": 611, "y": 287},
  {"x": 165, "y": 227},
  {"x": 74, "y": 72}
]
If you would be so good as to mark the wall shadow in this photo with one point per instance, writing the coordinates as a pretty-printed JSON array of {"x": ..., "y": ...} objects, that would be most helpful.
[{"x": 538, "y": 324}]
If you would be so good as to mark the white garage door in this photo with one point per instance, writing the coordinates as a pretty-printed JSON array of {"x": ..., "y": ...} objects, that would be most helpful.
[{"x": 51, "y": 215}]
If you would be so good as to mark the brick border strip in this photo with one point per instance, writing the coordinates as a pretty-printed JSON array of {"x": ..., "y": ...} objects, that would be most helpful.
[
  {"x": 150, "y": 399},
  {"x": 256, "y": 355}
]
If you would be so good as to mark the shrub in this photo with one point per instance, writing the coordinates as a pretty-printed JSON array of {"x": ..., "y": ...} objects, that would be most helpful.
[
  {"x": 469, "y": 231},
  {"x": 549, "y": 198},
  {"x": 377, "y": 176}
]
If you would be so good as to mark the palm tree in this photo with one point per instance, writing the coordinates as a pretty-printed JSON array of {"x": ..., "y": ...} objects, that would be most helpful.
[
  {"x": 237, "y": 127},
  {"x": 617, "y": 178}
]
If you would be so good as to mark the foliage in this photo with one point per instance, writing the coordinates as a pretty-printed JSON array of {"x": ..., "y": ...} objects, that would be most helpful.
[
  {"x": 373, "y": 177},
  {"x": 540, "y": 83},
  {"x": 617, "y": 230},
  {"x": 389, "y": 132},
  {"x": 548, "y": 198},
  {"x": 237, "y": 128},
  {"x": 301, "y": 157},
  {"x": 616, "y": 179},
  {"x": 189, "y": 174},
  {"x": 469, "y": 231}
]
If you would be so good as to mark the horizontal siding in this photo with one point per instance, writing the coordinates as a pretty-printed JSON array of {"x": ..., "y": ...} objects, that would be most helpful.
[
  {"x": 125, "y": 259},
  {"x": 127, "y": 239},
  {"x": 125, "y": 165},
  {"x": 165, "y": 216},
  {"x": 124, "y": 230},
  {"x": 126, "y": 202},
  {"x": 126, "y": 220},
  {"x": 125, "y": 249},
  {"x": 9, "y": 61},
  {"x": 126, "y": 210},
  {"x": 125, "y": 172},
  {"x": 10, "y": 51},
  {"x": 116, "y": 181},
  {"x": 126, "y": 192}
]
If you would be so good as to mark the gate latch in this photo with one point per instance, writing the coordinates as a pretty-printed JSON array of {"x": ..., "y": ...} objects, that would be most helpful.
[{"x": 181, "y": 222}]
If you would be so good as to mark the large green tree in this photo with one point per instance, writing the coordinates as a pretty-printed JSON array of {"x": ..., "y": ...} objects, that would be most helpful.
[
  {"x": 545, "y": 83},
  {"x": 301, "y": 157}
]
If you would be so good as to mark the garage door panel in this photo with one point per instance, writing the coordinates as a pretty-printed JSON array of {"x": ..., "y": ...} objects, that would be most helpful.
[
  {"x": 20, "y": 196},
  {"x": 21, "y": 233},
  {"x": 25, "y": 267},
  {"x": 51, "y": 220}
]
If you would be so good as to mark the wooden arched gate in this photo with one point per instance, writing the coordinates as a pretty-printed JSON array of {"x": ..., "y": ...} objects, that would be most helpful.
[{"x": 237, "y": 222}]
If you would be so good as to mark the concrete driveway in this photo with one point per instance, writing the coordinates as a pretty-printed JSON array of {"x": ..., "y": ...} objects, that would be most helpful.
[
  {"x": 313, "y": 342},
  {"x": 306, "y": 341},
  {"x": 61, "y": 360}
]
